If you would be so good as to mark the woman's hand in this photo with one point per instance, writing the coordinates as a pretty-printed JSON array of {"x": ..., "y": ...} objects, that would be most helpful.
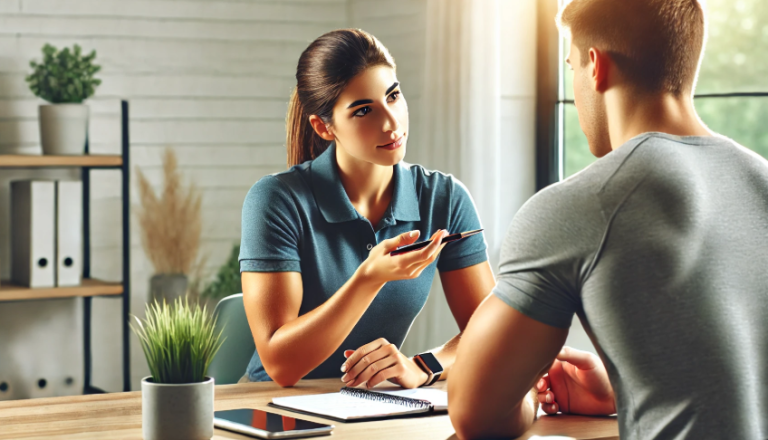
[
  {"x": 577, "y": 383},
  {"x": 379, "y": 361},
  {"x": 380, "y": 267}
]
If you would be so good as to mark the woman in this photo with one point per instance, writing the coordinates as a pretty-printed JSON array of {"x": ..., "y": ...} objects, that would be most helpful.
[{"x": 318, "y": 281}]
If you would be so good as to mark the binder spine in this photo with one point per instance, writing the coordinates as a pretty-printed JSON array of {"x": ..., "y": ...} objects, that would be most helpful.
[{"x": 386, "y": 398}]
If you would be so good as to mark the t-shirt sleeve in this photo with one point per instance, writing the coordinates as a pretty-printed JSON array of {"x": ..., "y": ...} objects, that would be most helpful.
[
  {"x": 548, "y": 253},
  {"x": 462, "y": 218},
  {"x": 270, "y": 229}
]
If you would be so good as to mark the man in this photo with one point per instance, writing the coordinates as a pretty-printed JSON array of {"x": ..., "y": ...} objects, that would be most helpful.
[{"x": 659, "y": 247}]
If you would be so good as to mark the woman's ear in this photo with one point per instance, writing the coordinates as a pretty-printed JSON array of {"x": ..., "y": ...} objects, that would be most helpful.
[{"x": 322, "y": 130}]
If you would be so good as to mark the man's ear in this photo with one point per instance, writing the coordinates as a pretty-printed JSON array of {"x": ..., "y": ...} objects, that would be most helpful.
[
  {"x": 322, "y": 130},
  {"x": 599, "y": 65}
]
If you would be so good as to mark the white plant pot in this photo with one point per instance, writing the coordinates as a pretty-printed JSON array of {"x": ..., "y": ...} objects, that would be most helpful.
[
  {"x": 177, "y": 411},
  {"x": 63, "y": 128}
]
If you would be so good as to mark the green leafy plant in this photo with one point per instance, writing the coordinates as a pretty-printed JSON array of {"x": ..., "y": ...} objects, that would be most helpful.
[
  {"x": 179, "y": 341},
  {"x": 64, "y": 76},
  {"x": 227, "y": 280}
]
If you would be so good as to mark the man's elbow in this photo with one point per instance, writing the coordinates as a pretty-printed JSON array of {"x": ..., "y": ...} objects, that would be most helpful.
[{"x": 474, "y": 423}]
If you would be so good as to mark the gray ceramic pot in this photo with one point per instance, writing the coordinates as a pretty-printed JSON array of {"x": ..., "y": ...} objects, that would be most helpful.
[
  {"x": 63, "y": 128},
  {"x": 177, "y": 411},
  {"x": 167, "y": 287}
]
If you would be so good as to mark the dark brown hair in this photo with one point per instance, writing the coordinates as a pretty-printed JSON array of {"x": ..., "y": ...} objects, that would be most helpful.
[
  {"x": 325, "y": 68},
  {"x": 657, "y": 44}
]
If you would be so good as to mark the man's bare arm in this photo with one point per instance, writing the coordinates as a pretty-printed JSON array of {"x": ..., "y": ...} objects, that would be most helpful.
[{"x": 501, "y": 356}]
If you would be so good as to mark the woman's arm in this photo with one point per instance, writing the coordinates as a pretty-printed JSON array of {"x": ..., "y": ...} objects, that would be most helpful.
[
  {"x": 290, "y": 346},
  {"x": 378, "y": 361},
  {"x": 464, "y": 289}
]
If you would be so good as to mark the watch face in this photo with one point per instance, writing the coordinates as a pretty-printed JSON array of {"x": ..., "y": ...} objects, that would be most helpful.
[{"x": 431, "y": 362}]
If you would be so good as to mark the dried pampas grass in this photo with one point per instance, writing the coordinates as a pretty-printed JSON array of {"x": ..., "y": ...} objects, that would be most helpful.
[{"x": 171, "y": 224}]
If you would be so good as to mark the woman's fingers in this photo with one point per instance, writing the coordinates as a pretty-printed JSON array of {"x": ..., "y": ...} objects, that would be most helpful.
[
  {"x": 371, "y": 370},
  {"x": 395, "y": 370},
  {"x": 361, "y": 358},
  {"x": 414, "y": 259},
  {"x": 401, "y": 240}
]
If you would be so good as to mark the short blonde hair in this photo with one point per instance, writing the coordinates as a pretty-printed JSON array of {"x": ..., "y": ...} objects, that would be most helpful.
[{"x": 657, "y": 44}]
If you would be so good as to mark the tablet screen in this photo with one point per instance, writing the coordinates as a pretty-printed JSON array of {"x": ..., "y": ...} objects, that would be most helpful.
[{"x": 266, "y": 421}]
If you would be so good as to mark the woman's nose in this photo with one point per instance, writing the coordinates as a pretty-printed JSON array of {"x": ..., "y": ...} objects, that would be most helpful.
[{"x": 391, "y": 123}]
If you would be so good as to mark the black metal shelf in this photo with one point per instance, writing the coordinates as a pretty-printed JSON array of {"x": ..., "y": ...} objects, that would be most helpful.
[{"x": 89, "y": 287}]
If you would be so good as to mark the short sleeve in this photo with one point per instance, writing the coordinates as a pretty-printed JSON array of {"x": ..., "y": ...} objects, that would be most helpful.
[
  {"x": 463, "y": 217},
  {"x": 270, "y": 229},
  {"x": 548, "y": 254}
]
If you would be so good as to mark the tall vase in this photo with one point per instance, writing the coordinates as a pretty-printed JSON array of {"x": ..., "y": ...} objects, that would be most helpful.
[{"x": 168, "y": 287}]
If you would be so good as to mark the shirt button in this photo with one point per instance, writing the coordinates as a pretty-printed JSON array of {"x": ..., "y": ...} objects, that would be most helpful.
[{"x": 370, "y": 246}]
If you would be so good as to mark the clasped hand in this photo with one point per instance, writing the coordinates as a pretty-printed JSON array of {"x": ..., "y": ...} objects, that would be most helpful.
[
  {"x": 577, "y": 383},
  {"x": 378, "y": 361}
]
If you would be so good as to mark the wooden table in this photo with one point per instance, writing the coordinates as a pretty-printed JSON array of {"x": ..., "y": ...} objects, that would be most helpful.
[{"x": 118, "y": 416}]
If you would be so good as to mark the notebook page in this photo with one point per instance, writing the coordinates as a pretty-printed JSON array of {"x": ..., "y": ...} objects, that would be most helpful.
[
  {"x": 342, "y": 406},
  {"x": 438, "y": 398}
]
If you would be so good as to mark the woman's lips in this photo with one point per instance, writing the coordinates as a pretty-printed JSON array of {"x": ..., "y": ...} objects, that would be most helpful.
[{"x": 394, "y": 145}]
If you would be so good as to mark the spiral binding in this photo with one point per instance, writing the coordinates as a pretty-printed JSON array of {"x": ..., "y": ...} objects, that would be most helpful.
[{"x": 386, "y": 398}]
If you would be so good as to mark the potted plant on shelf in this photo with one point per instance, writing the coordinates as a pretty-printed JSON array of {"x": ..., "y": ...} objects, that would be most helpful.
[
  {"x": 179, "y": 343},
  {"x": 65, "y": 79},
  {"x": 171, "y": 229}
]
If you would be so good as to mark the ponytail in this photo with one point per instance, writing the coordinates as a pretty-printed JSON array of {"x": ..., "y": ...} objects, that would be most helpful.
[
  {"x": 325, "y": 67},
  {"x": 301, "y": 141}
]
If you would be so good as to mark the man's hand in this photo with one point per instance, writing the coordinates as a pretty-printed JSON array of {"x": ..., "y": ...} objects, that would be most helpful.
[{"x": 577, "y": 383}]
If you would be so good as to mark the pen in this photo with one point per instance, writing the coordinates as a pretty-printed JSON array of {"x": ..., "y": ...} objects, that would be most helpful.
[{"x": 423, "y": 244}]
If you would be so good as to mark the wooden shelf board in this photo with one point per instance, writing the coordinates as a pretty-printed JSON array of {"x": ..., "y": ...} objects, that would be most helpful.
[
  {"x": 89, "y": 287},
  {"x": 33, "y": 161}
]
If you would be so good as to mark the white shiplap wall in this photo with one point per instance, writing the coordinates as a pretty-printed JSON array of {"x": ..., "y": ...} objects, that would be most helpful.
[{"x": 210, "y": 79}]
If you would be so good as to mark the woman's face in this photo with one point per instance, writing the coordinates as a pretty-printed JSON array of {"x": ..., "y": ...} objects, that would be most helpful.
[{"x": 370, "y": 118}]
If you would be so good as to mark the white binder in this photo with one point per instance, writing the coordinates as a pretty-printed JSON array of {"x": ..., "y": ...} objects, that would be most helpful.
[
  {"x": 69, "y": 233},
  {"x": 32, "y": 233}
]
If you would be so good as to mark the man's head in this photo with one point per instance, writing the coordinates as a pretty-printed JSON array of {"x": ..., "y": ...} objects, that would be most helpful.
[{"x": 647, "y": 47}]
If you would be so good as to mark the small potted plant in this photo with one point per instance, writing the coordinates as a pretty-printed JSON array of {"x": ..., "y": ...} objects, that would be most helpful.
[
  {"x": 65, "y": 79},
  {"x": 179, "y": 342}
]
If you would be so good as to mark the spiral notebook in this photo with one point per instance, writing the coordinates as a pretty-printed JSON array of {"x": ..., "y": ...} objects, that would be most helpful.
[{"x": 358, "y": 405}]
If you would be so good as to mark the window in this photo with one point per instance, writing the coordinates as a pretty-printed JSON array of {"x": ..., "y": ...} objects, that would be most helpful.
[{"x": 731, "y": 94}]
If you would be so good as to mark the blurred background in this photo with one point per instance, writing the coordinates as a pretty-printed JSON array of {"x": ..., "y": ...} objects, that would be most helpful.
[{"x": 484, "y": 80}]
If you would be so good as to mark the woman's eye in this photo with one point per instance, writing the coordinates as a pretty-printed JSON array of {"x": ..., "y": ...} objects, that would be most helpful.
[
  {"x": 362, "y": 112},
  {"x": 393, "y": 97}
]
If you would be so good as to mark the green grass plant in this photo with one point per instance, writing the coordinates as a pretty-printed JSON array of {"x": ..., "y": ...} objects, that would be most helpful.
[{"x": 179, "y": 341}]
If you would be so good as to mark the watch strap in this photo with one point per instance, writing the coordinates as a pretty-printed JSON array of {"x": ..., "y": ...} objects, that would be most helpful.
[
  {"x": 432, "y": 377},
  {"x": 435, "y": 378}
]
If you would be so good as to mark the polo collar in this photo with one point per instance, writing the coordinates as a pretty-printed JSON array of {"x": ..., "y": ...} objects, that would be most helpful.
[{"x": 334, "y": 204}]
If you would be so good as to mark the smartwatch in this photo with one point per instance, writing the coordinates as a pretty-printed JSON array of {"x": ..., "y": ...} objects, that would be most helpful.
[{"x": 429, "y": 363}]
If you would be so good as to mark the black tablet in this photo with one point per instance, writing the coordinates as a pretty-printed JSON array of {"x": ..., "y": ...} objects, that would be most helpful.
[{"x": 263, "y": 424}]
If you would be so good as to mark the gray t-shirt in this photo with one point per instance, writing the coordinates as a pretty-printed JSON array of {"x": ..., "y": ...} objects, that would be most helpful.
[{"x": 661, "y": 248}]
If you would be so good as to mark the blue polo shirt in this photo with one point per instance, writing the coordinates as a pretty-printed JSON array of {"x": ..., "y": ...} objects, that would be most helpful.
[{"x": 301, "y": 220}]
